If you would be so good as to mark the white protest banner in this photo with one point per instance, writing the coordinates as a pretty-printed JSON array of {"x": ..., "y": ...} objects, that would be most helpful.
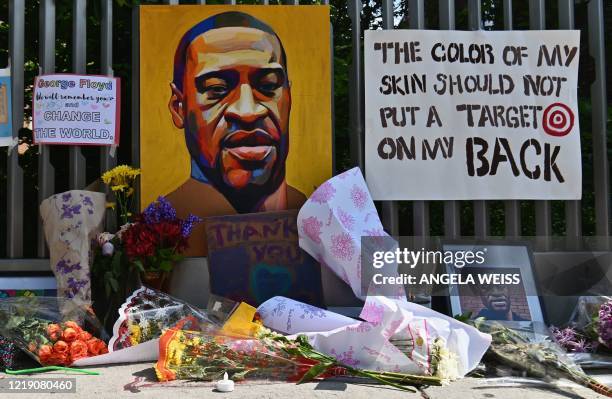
[
  {"x": 76, "y": 109},
  {"x": 472, "y": 115}
]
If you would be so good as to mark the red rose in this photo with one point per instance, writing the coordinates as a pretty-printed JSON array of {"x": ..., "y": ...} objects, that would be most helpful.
[
  {"x": 73, "y": 325},
  {"x": 44, "y": 352},
  {"x": 84, "y": 336},
  {"x": 92, "y": 347},
  {"x": 58, "y": 359},
  {"x": 60, "y": 347},
  {"x": 69, "y": 334},
  {"x": 78, "y": 350}
]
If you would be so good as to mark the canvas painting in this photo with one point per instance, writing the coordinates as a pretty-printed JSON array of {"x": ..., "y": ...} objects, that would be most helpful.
[{"x": 235, "y": 108}]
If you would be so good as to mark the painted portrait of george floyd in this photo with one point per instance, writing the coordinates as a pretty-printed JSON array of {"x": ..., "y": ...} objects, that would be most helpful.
[{"x": 235, "y": 108}]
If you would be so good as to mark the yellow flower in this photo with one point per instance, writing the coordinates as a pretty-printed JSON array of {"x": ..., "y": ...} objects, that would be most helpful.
[
  {"x": 130, "y": 192},
  {"x": 110, "y": 205},
  {"x": 120, "y": 175},
  {"x": 119, "y": 187},
  {"x": 135, "y": 334}
]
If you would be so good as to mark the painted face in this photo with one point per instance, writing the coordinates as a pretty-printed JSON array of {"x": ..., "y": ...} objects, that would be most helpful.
[{"x": 236, "y": 102}]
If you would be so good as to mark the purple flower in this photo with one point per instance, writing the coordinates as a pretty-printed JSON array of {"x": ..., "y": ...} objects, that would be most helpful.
[
  {"x": 605, "y": 324},
  {"x": 188, "y": 224},
  {"x": 160, "y": 210},
  {"x": 571, "y": 340},
  {"x": 66, "y": 197},
  {"x": 87, "y": 201},
  {"x": 69, "y": 211}
]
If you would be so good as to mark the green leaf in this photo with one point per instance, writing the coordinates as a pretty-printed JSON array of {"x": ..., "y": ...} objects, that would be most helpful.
[
  {"x": 165, "y": 266},
  {"x": 116, "y": 262},
  {"x": 139, "y": 266},
  {"x": 315, "y": 371}
]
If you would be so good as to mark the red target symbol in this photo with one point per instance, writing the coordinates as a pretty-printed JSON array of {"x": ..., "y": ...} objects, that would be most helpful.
[{"x": 558, "y": 120}]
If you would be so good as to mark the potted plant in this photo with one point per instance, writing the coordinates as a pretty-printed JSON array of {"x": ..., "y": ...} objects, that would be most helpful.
[{"x": 156, "y": 240}]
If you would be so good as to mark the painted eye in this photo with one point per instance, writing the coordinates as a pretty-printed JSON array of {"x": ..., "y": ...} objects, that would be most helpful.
[
  {"x": 268, "y": 83},
  {"x": 216, "y": 91},
  {"x": 213, "y": 87}
]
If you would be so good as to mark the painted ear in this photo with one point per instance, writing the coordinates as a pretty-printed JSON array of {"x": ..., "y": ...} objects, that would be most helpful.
[{"x": 175, "y": 105}]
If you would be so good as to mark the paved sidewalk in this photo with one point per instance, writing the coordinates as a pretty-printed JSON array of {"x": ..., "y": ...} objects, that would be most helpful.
[{"x": 138, "y": 381}]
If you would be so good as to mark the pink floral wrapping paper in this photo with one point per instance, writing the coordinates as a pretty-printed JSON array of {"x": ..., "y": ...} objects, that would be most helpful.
[
  {"x": 371, "y": 344},
  {"x": 396, "y": 335},
  {"x": 71, "y": 221},
  {"x": 332, "y": 222}
]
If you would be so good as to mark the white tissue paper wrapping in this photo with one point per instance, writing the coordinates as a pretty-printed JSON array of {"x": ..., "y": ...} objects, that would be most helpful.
[
  {"x": 330, "y": 226},
  {"x": 332, "y": 222},
  {"x": 367, "y": 345}
]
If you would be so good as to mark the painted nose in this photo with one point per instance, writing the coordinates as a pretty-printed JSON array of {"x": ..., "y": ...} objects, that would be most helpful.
[{"x": 245, "y": 109}]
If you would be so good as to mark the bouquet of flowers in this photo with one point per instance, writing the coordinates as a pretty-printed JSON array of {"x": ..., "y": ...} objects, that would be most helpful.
[
  {"x": 148, "y": 312},
  {"x": 268, "y": 355},
  {"x": 121, "y": 181},
  {"x": 157, "y": 238},
  {"x": 590, "y": 329},
  {"x": 541, "y": 359},
  {"x": 37, "y": 328}
]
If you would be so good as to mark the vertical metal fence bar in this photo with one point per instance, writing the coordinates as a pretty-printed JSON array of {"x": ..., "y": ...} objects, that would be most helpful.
[
  {"x": 420, "y": 209},
  {"x": 481, "y": 214},
  {"x": 599, "y": 115},
  {"x": 416, "y": 18},
  {"x": 79, "y": 41},
  {"x": 543, "y": 213},
  {"x": 390, "y": 218},
  {"x": 573, "y": 209},
  {"x": 202, "y": 2},
  {"x": 508, "y": 23},
  {"x": 356, "y": 86},
  {"x": 512, "y": 208},
  {"x": 474, "y": 15},
  {"x": 46, "y": 171},
  {"x": 452, "y": 209},
  {"x": 15, "y": 174},
  {"x": 106, "y": 68}
]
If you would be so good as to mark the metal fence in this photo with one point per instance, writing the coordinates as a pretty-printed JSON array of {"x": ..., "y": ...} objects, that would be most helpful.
[{"x": 416, "y": 20}]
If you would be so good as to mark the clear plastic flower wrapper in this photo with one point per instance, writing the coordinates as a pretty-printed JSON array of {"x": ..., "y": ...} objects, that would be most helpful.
[
  {"x": 243, "y": 348},
  {"x": 36, "y": 326},
  {"x": 193, "y": 355},
  {"x": 148, "y": 312},
  {"x": 538, "y": 357}
]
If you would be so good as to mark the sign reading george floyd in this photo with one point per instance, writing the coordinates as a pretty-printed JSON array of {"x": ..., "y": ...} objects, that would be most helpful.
[
  {"x": 472, "y": 115},
  {"x": 76, "y": 110}
]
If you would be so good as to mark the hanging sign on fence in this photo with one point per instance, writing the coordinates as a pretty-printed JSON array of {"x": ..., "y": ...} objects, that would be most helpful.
[
  {"x": 76, "y": 109},
  {"x": 472, "y": 115},
  {"x": 6, "y": 128}
]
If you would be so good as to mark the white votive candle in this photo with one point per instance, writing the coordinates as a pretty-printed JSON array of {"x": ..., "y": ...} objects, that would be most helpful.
[{"x": 225, "y": 385}]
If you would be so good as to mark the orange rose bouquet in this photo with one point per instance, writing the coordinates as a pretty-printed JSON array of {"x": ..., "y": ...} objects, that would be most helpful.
[{"x": 38, "y": 330}]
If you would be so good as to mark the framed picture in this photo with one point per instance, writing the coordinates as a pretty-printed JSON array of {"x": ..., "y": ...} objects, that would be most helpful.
[{"x": 501, "y": 287}]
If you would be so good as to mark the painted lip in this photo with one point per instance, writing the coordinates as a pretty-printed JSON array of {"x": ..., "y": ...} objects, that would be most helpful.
[{"x": 254, "y": 145}]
